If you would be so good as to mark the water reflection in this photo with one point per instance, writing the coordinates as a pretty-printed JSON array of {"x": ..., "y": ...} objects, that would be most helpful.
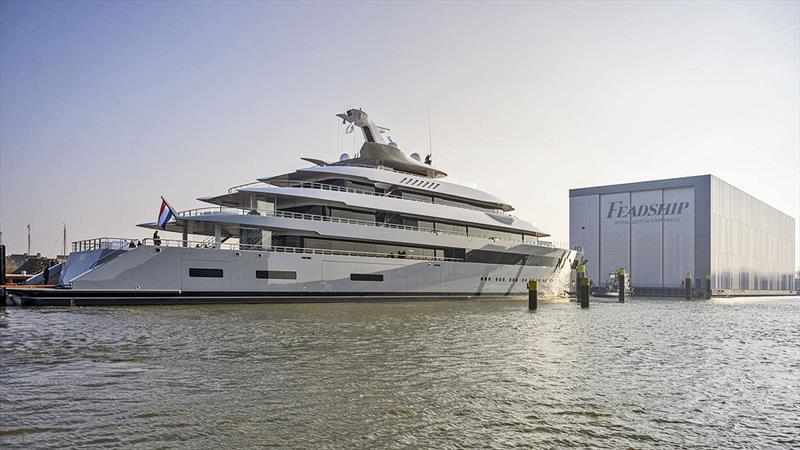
[{"x": 409, "y": 374}]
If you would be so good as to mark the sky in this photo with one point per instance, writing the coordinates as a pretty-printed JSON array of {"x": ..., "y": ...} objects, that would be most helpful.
[{"x": 105, "y": 106}]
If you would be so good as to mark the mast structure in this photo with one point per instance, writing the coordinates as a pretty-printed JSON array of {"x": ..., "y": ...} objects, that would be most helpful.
[{"x": 360, "y": 119}]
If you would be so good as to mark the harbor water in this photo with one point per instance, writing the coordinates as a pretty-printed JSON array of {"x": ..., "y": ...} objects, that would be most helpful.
[{"x": 648, "y": 373}]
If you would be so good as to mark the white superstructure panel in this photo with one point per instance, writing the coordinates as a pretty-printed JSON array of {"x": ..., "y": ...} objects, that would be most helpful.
[
  {"x": 404, "y": 206},
  {"x": 405, "y": 180}
]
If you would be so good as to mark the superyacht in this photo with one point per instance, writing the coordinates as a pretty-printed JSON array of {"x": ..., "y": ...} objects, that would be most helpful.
[{"x": 380, "y": 224}]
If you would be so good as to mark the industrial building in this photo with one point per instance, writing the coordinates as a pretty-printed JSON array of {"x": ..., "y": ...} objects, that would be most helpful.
[{"x": 660, "y": 230}]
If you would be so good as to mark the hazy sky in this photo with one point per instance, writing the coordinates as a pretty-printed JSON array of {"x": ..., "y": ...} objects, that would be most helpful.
[{"x": 105, "y": 106}]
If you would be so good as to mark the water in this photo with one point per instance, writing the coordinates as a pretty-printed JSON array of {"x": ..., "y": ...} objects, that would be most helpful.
[{"x": 658, "y": 373}]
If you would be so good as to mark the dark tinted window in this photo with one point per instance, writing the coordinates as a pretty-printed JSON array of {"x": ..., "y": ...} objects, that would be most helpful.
[
  {"x": 276, "y": 274},
  {"x": 205, "y": 273},
  {"x": 366, "y": 277}
]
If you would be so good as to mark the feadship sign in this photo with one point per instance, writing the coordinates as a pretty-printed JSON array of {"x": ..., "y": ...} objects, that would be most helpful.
[{"x": 649, "y": 213}]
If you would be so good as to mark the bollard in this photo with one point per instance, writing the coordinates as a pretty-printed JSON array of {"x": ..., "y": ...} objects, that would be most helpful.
[
  {"x": 687, "y": 285},
  {"x": 579, "y": 275},
  {"x": 708, "y": 287},
  {"x": 2, "y": 276},
  {"x": 621, "y": 284},
  {"x": 584, "y": 292},
  {"x": 533, "y": 294},
  {"x": 2, "y": 265}
]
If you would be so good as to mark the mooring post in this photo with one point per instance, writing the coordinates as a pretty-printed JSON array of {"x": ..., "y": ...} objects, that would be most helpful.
[
  {"x": 621, "y": 284},
  {"x": 708, "y": 287},
  {"x": 2, "y": 265},
  {"x": 533, "y": 294},
  {"x": 579, "y": 275},
  {"x": 687, "y": 285},
  {"x": 2, "y": 276},
  {"x": 584, "y": 292}
]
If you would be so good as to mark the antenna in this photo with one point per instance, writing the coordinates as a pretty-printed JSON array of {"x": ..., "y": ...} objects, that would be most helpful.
[
  {"x": 29, "y": 239},
  {"x": 65, "y": 239},
  {"x": 429, "y": 158},
  {"x": 430, "y": 138}
]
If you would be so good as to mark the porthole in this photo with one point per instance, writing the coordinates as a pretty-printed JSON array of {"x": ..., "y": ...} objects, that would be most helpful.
[{"x": 238, "y": 254}]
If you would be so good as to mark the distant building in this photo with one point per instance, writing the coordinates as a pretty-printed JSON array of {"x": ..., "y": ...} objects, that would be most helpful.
[
  {"x": 30, "y": 264},
  {"x": 660, "y": 230}
]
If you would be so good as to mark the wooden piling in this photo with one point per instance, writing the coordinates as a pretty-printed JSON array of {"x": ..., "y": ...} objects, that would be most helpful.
[
  {"x": 533, "y": 294},
  {"x": 708, "y": 287},
  {"x": 621, "y": 284},
  {"x": 687, "y": 285},
  {"x": 2, "y": 276},
  {"x": 583, "y": 295}
]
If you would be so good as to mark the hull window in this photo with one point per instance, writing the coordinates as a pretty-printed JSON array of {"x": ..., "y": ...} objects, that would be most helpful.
[
  {"x": 205, "y": 273},
  {"x": 276, "y": 275},
  {"x": 366, "y": 277}
]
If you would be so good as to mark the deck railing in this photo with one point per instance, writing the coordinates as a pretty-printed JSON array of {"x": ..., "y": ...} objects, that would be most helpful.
[
  {"x": 318, "y": 218},
  {"x": 333, "y": 187},
  {"x": 276, "y": 249},
  {"x": 108, "y": 243}
]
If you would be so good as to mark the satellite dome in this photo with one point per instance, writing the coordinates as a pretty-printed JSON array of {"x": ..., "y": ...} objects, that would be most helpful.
[
  {"x": 392, "y": 143},
  {"x": 415, "y": 157},
  {"x": 344, "y": 156}
]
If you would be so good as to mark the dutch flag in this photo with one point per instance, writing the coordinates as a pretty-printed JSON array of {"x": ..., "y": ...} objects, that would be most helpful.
[{"x": 164, "y": 214}]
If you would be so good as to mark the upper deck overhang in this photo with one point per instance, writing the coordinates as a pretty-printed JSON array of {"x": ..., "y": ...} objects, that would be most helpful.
[
  {"x": 431, "y": 211},
  {"x": 397, "y": 181}
]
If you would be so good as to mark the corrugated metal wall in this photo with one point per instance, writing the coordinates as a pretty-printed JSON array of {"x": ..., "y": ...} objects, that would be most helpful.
[
  {"x": 650, "y": 233},
  {"x": 752, "y": 244},
  {"x": 659, "y": 230},
  {"x": 647, "y": 241},
  {"x": 584, "y": 230},
  {"x": 679, "y": 236}
]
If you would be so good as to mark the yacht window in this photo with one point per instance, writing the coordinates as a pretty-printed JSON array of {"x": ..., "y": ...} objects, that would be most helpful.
[
  {"x": 276, "y": 275},
  {"x": 366, "y": 277},
  {"x": 205, "y": 273}
]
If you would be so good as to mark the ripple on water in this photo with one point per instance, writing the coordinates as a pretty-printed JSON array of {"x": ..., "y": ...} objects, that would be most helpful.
[{"x": 721, "y": 373}]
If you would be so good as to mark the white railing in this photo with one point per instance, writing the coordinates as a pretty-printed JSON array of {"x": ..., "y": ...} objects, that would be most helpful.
[
  {"x": 333, "y": 187},
  {"x": 212, "y": 210},
  {"x": 236, "y": 188},
  {"x": 279, "y": 249},
  {"x": 108, "y": 243},
  {"x": 317, "y": 218}
]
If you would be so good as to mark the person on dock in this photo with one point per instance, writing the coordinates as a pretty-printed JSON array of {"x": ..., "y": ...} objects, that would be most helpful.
[
  {"x": 156, "y": 238},
  {"x": 131, "y": 245},
  {"x": 46, "y": 273}
]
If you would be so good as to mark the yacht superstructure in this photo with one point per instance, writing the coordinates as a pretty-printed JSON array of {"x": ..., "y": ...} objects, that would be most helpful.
[{"x": 375, "y": 225}]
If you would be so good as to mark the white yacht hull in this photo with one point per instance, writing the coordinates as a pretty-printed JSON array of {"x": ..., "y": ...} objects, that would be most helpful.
[{"x": 152, "y": 275}]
